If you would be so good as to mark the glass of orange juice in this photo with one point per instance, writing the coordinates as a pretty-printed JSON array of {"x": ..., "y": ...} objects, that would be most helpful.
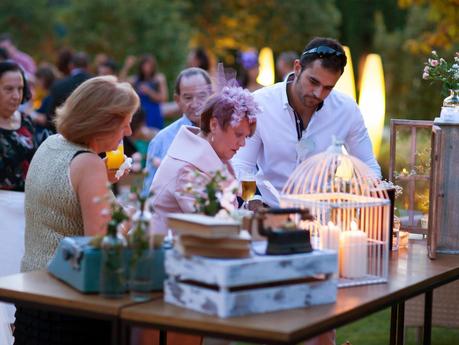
[{"x": 115, "y": 158}]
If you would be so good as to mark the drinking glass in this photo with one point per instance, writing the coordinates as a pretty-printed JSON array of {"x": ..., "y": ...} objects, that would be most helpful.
[
  {"x": 115, "y": 158},
  {"x": 249, "y": 186}
]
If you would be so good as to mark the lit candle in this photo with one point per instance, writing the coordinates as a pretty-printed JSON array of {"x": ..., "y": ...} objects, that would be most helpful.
[
  {"x": 329, "y": 236},
  {"x": 353, "y": 253}
]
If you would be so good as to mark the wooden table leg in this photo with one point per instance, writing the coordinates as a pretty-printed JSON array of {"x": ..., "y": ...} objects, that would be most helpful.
[
  {"x": 393, "y": 324},
  {"x": 428, "y": 317},
  {"x": 115, "y": 333},
  {"x": 401, "y": 324},
  {"x": 162, "y": 337},
  {"x": 125, "y": 333}
]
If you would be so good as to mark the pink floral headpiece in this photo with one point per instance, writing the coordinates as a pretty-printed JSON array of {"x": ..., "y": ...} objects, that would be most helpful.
[{"x": 240, "y": 99}]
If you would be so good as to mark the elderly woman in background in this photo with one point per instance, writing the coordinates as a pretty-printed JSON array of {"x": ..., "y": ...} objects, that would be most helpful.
[
  {"x": 65, "y": 177},
  {"x": 228, "y": 118},
  {"x": 17, "y": 146}
]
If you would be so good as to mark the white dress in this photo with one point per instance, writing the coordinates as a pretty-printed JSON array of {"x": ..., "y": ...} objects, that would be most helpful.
[{"x": 11, "y": 251}]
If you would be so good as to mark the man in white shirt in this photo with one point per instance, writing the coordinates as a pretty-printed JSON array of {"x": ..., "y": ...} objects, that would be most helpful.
[{"x": 300, "y": 116}]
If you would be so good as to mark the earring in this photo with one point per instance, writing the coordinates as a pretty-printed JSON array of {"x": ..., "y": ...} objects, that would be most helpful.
[{"x": 211, "y": 138}]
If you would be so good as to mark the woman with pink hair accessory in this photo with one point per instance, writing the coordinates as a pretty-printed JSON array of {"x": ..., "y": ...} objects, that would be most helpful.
[{"x": 227, "y": 119}]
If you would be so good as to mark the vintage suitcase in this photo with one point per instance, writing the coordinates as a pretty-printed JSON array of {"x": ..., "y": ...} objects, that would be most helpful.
[
  {"x": 261, "y": 283},
  {"x": 77, "y": 263}
]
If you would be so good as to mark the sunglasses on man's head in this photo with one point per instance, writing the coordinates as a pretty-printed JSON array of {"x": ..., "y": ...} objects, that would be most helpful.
[{"x": 322, "y": 51}]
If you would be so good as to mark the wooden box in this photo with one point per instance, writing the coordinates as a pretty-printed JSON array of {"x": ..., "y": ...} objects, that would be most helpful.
[{"x": 233, "y": 287}]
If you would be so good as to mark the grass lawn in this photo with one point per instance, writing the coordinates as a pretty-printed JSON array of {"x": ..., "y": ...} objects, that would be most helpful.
[{"x": 374, "y": 330}]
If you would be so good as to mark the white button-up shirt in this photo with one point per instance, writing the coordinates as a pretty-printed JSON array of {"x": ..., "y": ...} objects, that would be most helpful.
[{"x": 273, "y": 147}]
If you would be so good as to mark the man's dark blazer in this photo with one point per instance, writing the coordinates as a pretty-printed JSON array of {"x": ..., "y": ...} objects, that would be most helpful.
[{"x": 59, "y": 92}]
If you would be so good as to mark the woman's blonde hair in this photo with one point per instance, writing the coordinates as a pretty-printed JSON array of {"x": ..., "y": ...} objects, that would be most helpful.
[{"x": 97, "y": 107}]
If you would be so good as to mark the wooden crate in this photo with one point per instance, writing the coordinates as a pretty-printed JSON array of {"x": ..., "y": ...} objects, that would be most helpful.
[{"x": 233, "y": 287}]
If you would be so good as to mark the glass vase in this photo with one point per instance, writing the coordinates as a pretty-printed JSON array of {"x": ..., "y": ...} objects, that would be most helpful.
[
  {"x": 452, "y": 101},
  {"x": 112, "y": 273},
  {"x": 141, "y": 264}
]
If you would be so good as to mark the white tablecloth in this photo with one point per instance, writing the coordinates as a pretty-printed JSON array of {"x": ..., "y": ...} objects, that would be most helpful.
[{"x": 12, "y": 223}]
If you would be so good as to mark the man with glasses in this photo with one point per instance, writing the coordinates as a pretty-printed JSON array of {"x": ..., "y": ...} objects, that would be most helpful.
[
  {"x": 301, "y": 116},
  {"x": 192, "y": 88}
]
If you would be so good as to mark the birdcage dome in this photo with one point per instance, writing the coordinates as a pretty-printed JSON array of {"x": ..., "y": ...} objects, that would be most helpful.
[
  {"x": 333, "y": 171},
  {"x": 351, "y": 211}
]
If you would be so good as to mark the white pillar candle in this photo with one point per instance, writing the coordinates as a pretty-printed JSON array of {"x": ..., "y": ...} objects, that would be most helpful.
[
  {"x": 353, "y": 253},
  {"x": 330, "y": 236}
]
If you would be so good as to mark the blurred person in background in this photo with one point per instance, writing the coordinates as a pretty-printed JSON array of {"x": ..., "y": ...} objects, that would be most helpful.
[
  {"x": 45, "y": 77},
  {"x": 107, "y": 67},
  {"x": 151, "y": 86},
  {"x": 17, "y": 143},
  {"x": 250, "y": 70},
  {"x": 17, "y": 147},
  {"x": 198, "y": 58},
  {"x": 24, "y": 60},
  {"x": 64, "y": 61},
  {"x": 61, "y": 89},
  {"x": 192, "y": 88},
  {"x": 284, "y": 63},
  {"x": 65, "y": 178}
]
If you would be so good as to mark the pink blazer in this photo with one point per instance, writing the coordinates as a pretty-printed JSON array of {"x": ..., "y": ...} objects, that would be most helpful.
[{"x": 187, "y": 153}]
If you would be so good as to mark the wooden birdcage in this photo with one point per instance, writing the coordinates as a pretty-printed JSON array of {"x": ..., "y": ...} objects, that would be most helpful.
[{"x": 341, "y": 189}]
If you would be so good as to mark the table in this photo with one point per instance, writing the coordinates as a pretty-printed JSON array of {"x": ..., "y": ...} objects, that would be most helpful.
[
  {"x": 411, "y": 273},
  {"x": 40, "y": 289}
]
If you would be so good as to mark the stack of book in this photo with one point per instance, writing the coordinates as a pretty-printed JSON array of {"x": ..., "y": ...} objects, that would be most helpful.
[{"x": 208, "y": 236}]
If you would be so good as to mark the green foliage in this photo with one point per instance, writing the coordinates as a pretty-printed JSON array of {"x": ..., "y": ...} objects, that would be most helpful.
[
  {"x": 119, "y": 28},
  {"x": 29, "y": 24},
  {"x": 443, "y": 29},
  {"x": 224, "y": 26},
  {"x": 408, "y": 96}
]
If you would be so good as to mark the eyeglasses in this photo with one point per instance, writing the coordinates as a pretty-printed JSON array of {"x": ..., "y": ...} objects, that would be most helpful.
[{"x": 323, "y": 51}]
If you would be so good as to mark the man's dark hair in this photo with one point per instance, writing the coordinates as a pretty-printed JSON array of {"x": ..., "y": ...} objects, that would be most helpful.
[
  {"x": 3, "y": 54},
  {"x": 80, "y": 60},
  {"x": 328, "y": 50},
  {"x": 5, "y": 37},
  {"x": 188, "y": 73},
  {"x": 110, "y": 63},
  {"x": 202, "y": 57}
]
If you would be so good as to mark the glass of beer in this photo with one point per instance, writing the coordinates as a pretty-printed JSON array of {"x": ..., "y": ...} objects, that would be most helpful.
[
  {"x": 249, "y": 186},
  {"x": 115, "y": 158}
]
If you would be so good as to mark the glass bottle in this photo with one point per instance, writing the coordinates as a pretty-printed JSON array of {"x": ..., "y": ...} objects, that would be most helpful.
[
  {"x": 112, "y": 272},
  {"x": 141, "y": 263},
  {"x": 452, "y": 101}
]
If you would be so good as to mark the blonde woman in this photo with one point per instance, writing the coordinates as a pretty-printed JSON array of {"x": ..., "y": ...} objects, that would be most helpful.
[{"x": 65, "y": 176}]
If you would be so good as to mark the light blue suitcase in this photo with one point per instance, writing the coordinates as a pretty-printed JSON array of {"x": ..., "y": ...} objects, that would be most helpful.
[{"x": 77, "y": 263}]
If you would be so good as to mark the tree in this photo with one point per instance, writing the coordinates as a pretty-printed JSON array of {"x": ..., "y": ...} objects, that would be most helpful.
[
  {"x": 30, "y": 25},
  {"x": 224, "y": 26},
  {"x": 443, "y": 29},
  {"x": 408, "y": 96},
  {"x": 119, "y": 28}
]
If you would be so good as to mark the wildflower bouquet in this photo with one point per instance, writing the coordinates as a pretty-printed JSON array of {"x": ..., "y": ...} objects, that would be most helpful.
[
  {"x": 214, "y": 194},
  {"x": 437, "y": 68}
]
